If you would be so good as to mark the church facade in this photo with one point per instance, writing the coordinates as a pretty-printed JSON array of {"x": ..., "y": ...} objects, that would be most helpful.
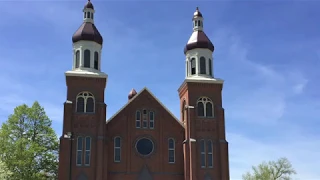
[{"x": 143, "y": 140}]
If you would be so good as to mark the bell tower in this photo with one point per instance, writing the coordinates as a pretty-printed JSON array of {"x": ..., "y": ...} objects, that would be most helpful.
[
  {"x": 202, "y": 113},
  {"x": 82, "y": 149}
]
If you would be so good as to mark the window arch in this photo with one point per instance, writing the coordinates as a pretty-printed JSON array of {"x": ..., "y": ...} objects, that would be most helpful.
[
  {"x": 79, "y": 151},
  {"x": 117, "y": 149},
  {"x": 77, "y": 63},
  {"x": 205, "y": 107},
  {"x": 209, "y": 154},
  {"x": 87, "y": 157},
  {"x": 86, "y": 62},
  {"x": 171, "y": 150},
  {"x": 151, "y": 119},
  {"x": 193, "y": 66},
  {"x": 96, "y": 60},
  {"x": 202, "y": 65},
  {"x": 138, "y": 119},
  {"x": 203, "y": 153},
  {"x": 85, "y": 102},
  {"x": 210, "y": 67}
]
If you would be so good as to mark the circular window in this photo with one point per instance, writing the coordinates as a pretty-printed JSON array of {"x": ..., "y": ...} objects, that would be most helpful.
[{"x": 144, "y": 146}]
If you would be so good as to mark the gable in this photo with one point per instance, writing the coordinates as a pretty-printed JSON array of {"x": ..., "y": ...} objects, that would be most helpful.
[{"x": 153, "y": 97}]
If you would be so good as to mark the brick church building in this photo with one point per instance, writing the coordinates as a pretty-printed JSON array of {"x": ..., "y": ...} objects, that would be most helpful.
[{"x": 143, "y": 140}]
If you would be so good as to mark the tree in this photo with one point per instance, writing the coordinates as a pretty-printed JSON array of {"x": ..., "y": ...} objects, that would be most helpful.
[
  {"x": 28, "y": 144},
  {"x": 272, "y": 170},
  {"x": 4, "y": 172}
]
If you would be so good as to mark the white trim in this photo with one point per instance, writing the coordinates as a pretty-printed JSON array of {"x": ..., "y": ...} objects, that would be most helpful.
[
  {"x": 208, "y": 100},
  {"x": 144, "y": 89},
  {"x": 114, "y": 149},
  {"x": 83, "y": 72},
  {"x": 85, "y": 99}
]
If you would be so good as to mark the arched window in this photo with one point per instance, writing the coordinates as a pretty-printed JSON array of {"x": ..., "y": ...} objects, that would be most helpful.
[
  {"x": 117, "y": 149},
  {"x": 202, "y": 65},
  {"x": 91, "y": 15},
  {"x": 151, "y": 119},
  {"x": 205, "y": 107},
  {"x": 171, "y": 150},
  {"x": 79, "y": 151},
  {"x": 203, "y": 153},
  {"x": 144, "y": 119},
  {"x": 209, "y": 154},
  {"x": 85, "y": 102},
  {"x": 86, "y": 58},
  {"x": 88, "y": 14},
  {"x": 96, "y": 60},
  {"x": 193, "y": 66},
  {"x": 77, "y": 59},
  {"x": 210, "y": 67},
  {"x": 138, "y": 119},
  {"x": 87, "y": 151},
  {"x": 85, "y": 15},
  {"x": 200, "y": 109}
]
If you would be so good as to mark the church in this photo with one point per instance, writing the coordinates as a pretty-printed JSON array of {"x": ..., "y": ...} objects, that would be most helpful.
[{"x": 143, "y": 140}]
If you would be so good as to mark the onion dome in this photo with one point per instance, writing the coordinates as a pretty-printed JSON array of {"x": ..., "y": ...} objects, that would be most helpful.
[
  {"x": 197, "y": 13},
  {"x": 87, "y": 32},
  {"x": 198, "y": 38},
  {"x": 132, "y": 93},
  {"x": 89, "y": 5}
]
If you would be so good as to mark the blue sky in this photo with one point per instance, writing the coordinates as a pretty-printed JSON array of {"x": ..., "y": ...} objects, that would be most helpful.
[{"x": 267, "y": 52}]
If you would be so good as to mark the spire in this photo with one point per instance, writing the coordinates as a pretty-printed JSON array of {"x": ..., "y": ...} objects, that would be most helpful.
[
  {"x": 199, "y": 50},
  {"x": 88, "y": 30}
]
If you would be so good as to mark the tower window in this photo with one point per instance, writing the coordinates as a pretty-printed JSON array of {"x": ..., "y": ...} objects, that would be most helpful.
[
  {"x": 79, "y": 151},
  {"x": 77, "y": 59},
  {"x": 210, "y": 67},
  {"x": 205, "y": 107},
  {"x": 151, "y": 119},
  {"x": 193, "y": 66},
  {"x": 91, "y": 15},
  {"x": 202, "y": 65},
  {"x": 203, "y": 153},
  {"x": 85, "y": 102},
  {"x": 117, "y": 149},
  {"x": 96, "y": 60},
  {"x": 145, "y": 121},
  {"x": 138, "y": 119},
  {"x": 86, "y": 58},
  {"x": 171, "y": 150},
  {"x": 88, "y": 151},
  {"x": 88, "y": 14},
  {"x": 209, "y": 153},
  {"x": 85, "y": 15}
]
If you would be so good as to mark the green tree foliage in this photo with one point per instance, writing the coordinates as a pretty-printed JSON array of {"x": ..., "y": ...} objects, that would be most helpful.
[
  {"x": 272, "y": 170},
  {"x": 4, "y": 172},
  {"x": 28, "y": 144}
]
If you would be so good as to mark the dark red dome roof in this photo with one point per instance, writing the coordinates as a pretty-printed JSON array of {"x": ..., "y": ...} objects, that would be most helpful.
[
  {"x": 88, "y": 32},
  {"x": 132, "y": 93},
  {"x": 199, "y": 40},
  {"x": 89, "y": 5}
]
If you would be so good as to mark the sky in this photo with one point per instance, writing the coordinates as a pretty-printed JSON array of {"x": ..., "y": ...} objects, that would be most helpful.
[{"x": 268, "y": 53}]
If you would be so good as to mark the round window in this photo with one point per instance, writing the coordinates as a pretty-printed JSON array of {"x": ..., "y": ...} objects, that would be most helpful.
[{"x": 144, "y": 146}]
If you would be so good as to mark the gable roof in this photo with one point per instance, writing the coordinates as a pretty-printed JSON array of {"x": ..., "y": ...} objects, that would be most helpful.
[{"x": 131, "y": 100}]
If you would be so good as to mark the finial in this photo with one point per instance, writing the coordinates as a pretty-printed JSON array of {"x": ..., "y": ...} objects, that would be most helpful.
[{"x": 197, "y": 9}]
